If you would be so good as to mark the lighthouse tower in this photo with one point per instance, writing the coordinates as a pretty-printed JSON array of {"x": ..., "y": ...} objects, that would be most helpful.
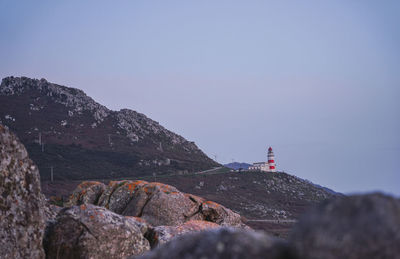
[{"x": 271, "y": 160}]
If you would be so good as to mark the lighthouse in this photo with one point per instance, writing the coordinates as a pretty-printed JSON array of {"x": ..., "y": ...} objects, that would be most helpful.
[{"x": 271, "y": 160}]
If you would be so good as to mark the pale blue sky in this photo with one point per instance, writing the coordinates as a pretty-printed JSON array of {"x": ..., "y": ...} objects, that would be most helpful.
[{"x": 319, "y": 81}]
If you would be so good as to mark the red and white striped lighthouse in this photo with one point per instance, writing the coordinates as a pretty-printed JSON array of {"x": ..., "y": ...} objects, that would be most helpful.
[{"x": 271, "y": 160}]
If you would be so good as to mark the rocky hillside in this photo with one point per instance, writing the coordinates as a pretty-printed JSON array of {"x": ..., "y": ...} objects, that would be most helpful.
[
  {"x": 255, "y": 195},
  {"x": 64, "y": 128}
]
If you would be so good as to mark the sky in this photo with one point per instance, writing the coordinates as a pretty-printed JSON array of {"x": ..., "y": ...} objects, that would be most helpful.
[{"x": 319, "y": 81}]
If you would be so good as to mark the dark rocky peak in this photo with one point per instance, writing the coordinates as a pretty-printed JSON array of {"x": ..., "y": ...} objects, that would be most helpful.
[
  {"x": 137, "y": 126},
  {"x": 73, "y": 130},
  {"x": 73, "y": 98}
]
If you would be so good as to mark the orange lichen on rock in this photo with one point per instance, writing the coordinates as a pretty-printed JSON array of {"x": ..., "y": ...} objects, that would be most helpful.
[
  {"x": 150, "y": 187},
  {"x": 132, "y": 185},
  {"x": 211, "y": 204},
  {"x": 83, "y": 207}
]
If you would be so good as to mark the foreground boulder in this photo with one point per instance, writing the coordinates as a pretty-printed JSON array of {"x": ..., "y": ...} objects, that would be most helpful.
[
  {"x": 158, "y": 204},
  {"x": 220, "y": 244},
  {"x": 163, "y": 234},
  {"x": 365, "y": 226},
  {"x": 21, "y": 203},
  {"x": 88, "y": 231}
]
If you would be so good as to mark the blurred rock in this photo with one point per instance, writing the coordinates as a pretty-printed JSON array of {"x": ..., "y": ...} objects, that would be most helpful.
[
  {"x": 220, "y": 244},
  {"x": 360, "y": 226},
  {"x": 88, "y": 231},
  {"x": 21, "y": 202}
]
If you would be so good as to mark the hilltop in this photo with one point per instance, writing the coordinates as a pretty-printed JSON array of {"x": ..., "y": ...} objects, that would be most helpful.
[
  {"x": 64, "y": 128},
  {"x": 255, "y": 195}
]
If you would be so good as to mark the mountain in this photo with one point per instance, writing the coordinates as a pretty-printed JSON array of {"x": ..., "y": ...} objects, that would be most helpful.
[
  {"x": 237, "y": 166},
  {"x": 67, "y": 132}
]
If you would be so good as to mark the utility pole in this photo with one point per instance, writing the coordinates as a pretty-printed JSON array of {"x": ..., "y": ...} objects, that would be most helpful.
[
  {"x": 51, "y": 174},
  {"x": 42, "y": 147},
  {"x": 40, "y": 138}
]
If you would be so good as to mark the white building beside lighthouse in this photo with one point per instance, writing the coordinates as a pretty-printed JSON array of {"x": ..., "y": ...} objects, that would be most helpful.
[
  {"x": 269, "y": 166},
  {"x": 259, "y": 166}
]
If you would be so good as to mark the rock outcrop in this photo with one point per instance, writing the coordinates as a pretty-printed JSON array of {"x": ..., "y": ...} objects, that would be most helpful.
[
  {"x": 360, "y": 226},
  {"x": 89, "y": 231},
  {"x": 22, "y": 219},
  {"x": 222, "y": 243},
  {"x": 158, "y": 204}
]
